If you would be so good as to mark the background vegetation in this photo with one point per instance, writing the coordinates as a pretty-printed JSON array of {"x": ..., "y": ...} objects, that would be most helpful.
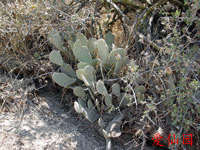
[{"x": 161, "y": 39}]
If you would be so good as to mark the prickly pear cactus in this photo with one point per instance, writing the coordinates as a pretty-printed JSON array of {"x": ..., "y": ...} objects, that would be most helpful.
[
  {"x": 117, "y": 58},
  {"x": 101, "y": 88},
  {"x": 55, "y": 38},
  {"x": 82, "y": 38},
  {"x": 81, "y": 52},
  {"x": 108, "y": 100},
  {"x": 114, "y": 53},
  {"x": 101, "y": 123},
  {"x": 87, "y": 75},
  {"x": 63, "y": 80},
  {"x": 112, "y": 130},
  {"x": 92, "y": 46},
  {"x": 94, "y": 57},
  {"x": 109, "y": 40},
  {"x": 78, "y": 108},
  {"x": 87, "y": 109},
  {"x": 116, "y": 89},
  {"x": 103, "y": 50},
  {"x": 67, "y": 69},
  {"x": 79, "y": 91},
  {"x": 56, "y": 58}
]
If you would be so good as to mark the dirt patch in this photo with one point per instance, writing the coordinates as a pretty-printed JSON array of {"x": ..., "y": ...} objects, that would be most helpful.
[{"x": 43, "y": 124}]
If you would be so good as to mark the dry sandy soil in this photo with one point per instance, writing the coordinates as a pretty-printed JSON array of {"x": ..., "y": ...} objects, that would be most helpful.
[{"x": 43, "y": 124}]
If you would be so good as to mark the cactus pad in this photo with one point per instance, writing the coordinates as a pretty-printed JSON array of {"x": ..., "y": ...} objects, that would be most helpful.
[
  {"x": 56, "y": 58},
  {"x": 63, "y": 80}
]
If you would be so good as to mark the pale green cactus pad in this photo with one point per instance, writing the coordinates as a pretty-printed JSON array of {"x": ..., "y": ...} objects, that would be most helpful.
[
  {"x": 88, "y": 111},
  {"x": 114, "y": 126},
  {"x": 89, "y": 72},
  {"x": 92, "y": 46},
  {"x": 56, "y": 58},
  {"x": 82, "y": 38},
  {"x": 109, "y": 40},
  {"x": 82, "y": 102},
  {"x": 79, "y": 91},
  {"x": 81, "y": 52},
  {"x": 112, "y": 130},
  {"x": 103, "y": 50},
  {"x": 92, "y": 114},
  {"x": 63, "y": 80},
  {"x": 101, "y": 88},
  {"x": 108, "y": 100},
  {"x": 113, "y": 53},
  {"x": 116, "y": 89},
  {"x": 118, "y": 66},
  {"x": 87, "y": 75},
  {"x": 101, "y": 123},
  {"x": 78, "y": 108},
  {"x": 118, "y": 58},
  {"x": 80, "y": 74},
  {"x": 67, "y": 69}
]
